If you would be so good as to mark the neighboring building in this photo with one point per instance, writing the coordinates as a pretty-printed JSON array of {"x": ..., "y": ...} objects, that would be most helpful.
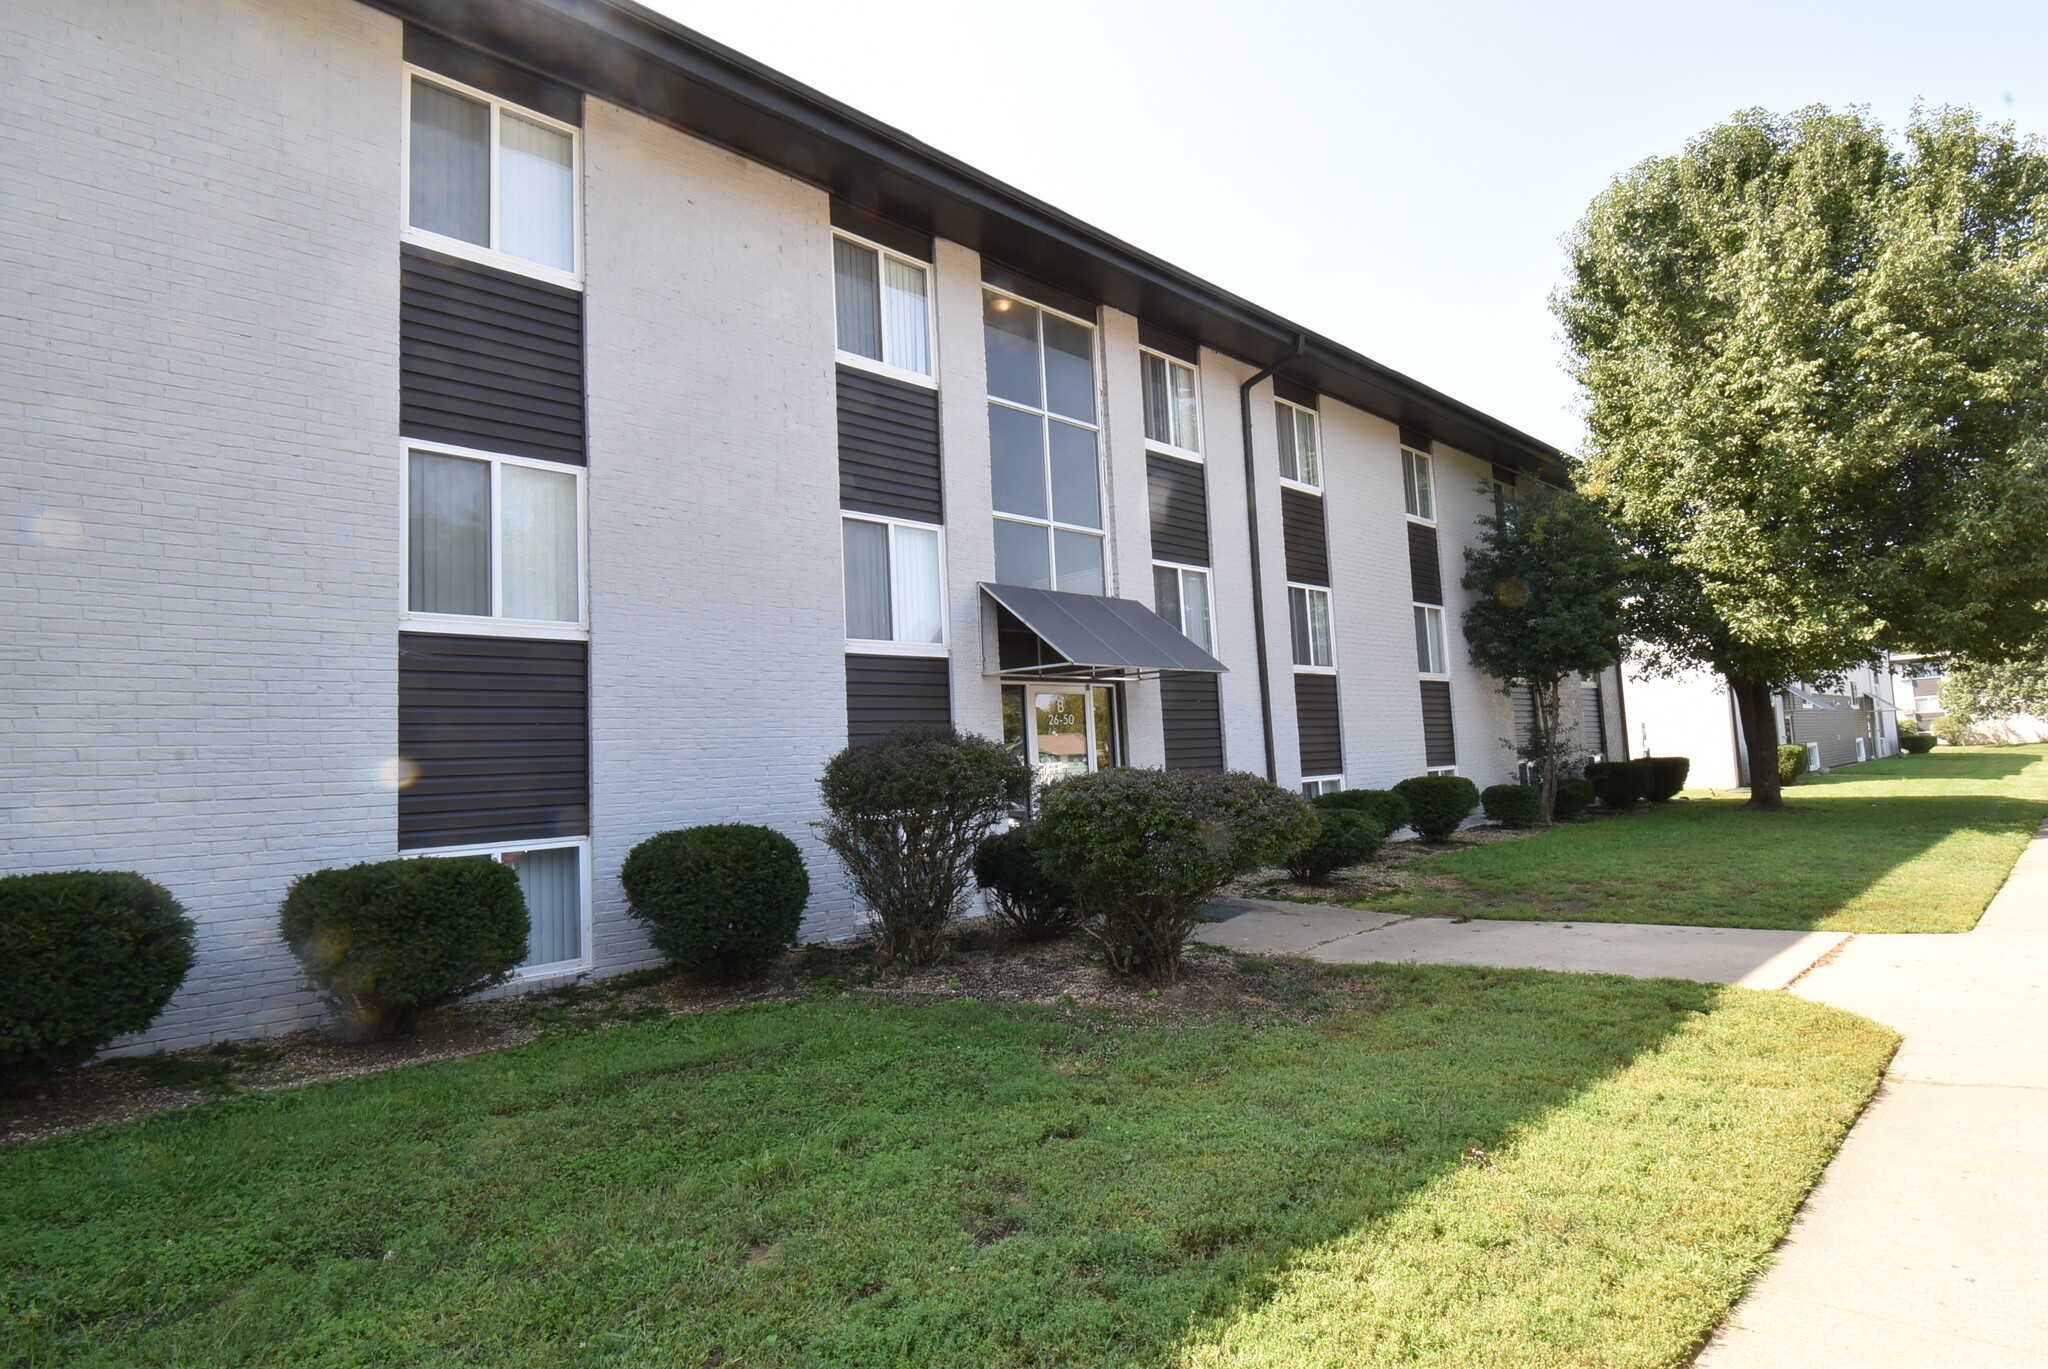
[
  {"x": 1921, "y": 678},
  {"x": 514, "y": 428},
  {"x": 1693, "y": 715}
]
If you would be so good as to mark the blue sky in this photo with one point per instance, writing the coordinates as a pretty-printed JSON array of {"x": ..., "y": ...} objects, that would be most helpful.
[{"x": 1398, "y": 177}]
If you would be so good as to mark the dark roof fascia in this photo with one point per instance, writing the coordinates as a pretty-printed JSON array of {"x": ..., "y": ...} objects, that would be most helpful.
[{"x": 644, "y": 61}]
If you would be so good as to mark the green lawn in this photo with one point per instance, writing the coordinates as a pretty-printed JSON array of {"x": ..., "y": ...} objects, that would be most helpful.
[
  {"x": 847, "y": 1181},
  {"x": 1912, "y": 844}
]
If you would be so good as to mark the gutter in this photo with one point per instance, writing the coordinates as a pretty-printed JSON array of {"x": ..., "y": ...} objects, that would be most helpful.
[{"x": 1251, "y": 504}]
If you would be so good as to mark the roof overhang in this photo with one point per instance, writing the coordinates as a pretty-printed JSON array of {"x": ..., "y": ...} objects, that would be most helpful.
[
  {"x": 1096, "y": 637},
  {"x": 646, "y": 62}
]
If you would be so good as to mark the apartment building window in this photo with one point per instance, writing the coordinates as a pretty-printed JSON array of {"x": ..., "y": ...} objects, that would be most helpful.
[
  {"x": 1327, "y": 784},
  {"x": 1042, "y": 447},
  {"x": 894, "y": 583},
  {"x": 486, "y": 177},
  {"x": 1418, "y": 484},
  {"x": 1172, "y": 412},
  {"x": 555, "y": 878},
  {"x": 1309, "y": 608},
  {"x": 493, "y": 538},
  {"x": 1181, "y": 596},
  {"x": 1061, "y": 729},
  {"x": 883, "y": 304},
  {"x": 1300, "y": 455},
  {"x": 1430, "y": 657}
]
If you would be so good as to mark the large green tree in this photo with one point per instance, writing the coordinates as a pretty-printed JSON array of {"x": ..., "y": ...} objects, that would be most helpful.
[
  {"x": 1817, "y": 386},
  {"x": 1551, "y": 583}
]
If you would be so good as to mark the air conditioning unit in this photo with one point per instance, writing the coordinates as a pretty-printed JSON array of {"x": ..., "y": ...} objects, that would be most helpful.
[
  {"x": 1862, "y": 752},
  {"x": 1813, "y": 757}
]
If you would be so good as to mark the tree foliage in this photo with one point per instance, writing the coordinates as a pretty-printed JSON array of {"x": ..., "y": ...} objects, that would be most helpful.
[
  {"x": 1975, "y": 692},
  {"x": 1812, "y": 360}
]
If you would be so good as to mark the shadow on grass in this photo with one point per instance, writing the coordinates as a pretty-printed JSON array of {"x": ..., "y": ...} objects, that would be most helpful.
[{"x": 838, "y": 1182}]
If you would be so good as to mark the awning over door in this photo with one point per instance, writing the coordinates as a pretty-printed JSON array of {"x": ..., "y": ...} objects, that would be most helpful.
[{"x": 1088, "y": 635}]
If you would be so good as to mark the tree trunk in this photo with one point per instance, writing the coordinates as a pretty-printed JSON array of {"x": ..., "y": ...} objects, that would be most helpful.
[
  {"x": 1760, "y": 738},
  {"x": 1545, "y": 708}
]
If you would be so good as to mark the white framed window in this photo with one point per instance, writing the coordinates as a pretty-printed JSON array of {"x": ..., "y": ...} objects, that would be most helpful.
[
  {"x": 1173, "y": 418},
  {"x": 883, "y": 307},
  {"x": 1301, "y": 460},
  {"x": 1180, "y": 595},
  {"x": 1309, "y": 609},
  {"x": 1043, "y": 447},
  {"x": 491, "y": 181},
  {"x": 1327, "y": 784},
  {"x": 493, "y": 544},
  {"x": 554, "y": 875},
  {"x": 895, "y": 585},
  {"x": 1430, "y": 656},
  {"x": 1418, "y": 484},
  {"x": 1441, "y": 770}
]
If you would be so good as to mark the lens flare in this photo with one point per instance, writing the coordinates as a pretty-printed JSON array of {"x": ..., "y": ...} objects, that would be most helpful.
[
  {"x": 1510, "y": 593},
  {"x": 58, "y": 529},
  {"x": 398, "y": 773}
]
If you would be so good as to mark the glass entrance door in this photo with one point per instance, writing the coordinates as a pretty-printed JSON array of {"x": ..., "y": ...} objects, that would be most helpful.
[{"x": 1061, "y": 729}]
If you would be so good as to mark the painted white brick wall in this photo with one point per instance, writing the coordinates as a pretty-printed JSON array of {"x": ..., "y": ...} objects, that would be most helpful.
[
  {"x": 1244, "y": 746},
  {"x": 1127, "y": 514},
  {"x": 963, "y": 444},
  {"x": 1482, "y": 714},
  {"x": 199, "y": 461}
]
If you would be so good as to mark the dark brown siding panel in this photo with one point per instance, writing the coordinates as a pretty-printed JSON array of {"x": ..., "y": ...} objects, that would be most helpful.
[
  {"x": 1524, "y": 702},
  {"x": 1439, "y": 741},
  {"x": 887, "y": 694},
  {"x": 1308, "y": 547},
  {"x": 498, "y": 730},
  {"x": 1180, "y": 509},
  {"x": 1192, "y": 715},
  {"x": 1419, "y": 440},
  {"x": 1294, "y": 392},
  {"x": 1172, "y": 344},
  {"x": 888, "y": 447},
  {"x": 1424, "y": 572},
  {"x": 911, "y": 242},
  {"x": 489, "y": 359},
  {"x": 1037, "y": 291},
  {"x": 1315, "y": 717},
  {"x": 1594, "y": 717},
  {"x": 424, "y": 48}
]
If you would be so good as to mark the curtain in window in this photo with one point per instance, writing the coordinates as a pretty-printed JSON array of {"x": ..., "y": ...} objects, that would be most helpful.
[
  {"x": 1185, "y": 434},
  {"x": 1195, "y": 601},
  {"x": 553, "y": 884},
  {"x": 918, "y": 608},
  {"x": 537, "y": 202},
  {"x": 538, "y": 553},
  {"x": 1158, "y": 410},
  {"x": 1308, "y": 470},
  {"x": 1425, "y": 496},
  {"x": 867, "y": 580},
  {"x": 448, "y": 535},
  {"x": 854, "y": 286},
  {"x": 450, "y": 180},
  {"x": 906, "y": 313},
  {"x": 1166, "y": 593},
  {"x": 1319, "y": 628}
]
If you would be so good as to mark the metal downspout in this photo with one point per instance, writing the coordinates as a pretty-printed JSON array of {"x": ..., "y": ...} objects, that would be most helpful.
[{"x": 1251, "y": 503}]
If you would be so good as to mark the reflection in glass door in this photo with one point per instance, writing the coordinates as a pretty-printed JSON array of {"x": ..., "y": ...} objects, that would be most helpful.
[{"x": 1061, "y": 729}]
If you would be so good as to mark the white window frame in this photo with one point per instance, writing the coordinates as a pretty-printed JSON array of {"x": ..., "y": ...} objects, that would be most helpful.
[
  {"x": 1185, "y": 569},
  {"x": 1315, "y": 420},
  {"x": 1323, "y": 784},
  {"x": 1441, "y": 770},
  {"x": 931, "y": 318},
  {"x": 892, "y": 646},
  {"x": 1409, "y": 460},
  {"x": 1441, "y": 639},
  {"x": 491, "y": 625},
  {"x": 1051, "y": 525},
  {"x": 1201, "y": 419},
  {"x": 491, "y": 255},
  {"x": 495, "y": 850},
  {"x": 1330, "y": 612}
]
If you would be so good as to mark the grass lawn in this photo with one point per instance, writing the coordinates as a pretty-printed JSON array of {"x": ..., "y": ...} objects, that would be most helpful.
[
  {"x": 1911, "y": 844},
  {"x": 1447, "y": 1167}
]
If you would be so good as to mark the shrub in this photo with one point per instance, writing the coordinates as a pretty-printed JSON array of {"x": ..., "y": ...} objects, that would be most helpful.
[
  {"x": 1574, "y": 796},
  {"x": 1917, "y": 743},
  {"x": 1438, "y": 804},
  {"x": 390, "y": 940},
  {"x": 1513, "y": 805},
  {"x": 1348, "y": 836},
  {"x": 1026, "y": 900},
  {"x": 1951, "y": 729},
  {"x": 1620, "y": 784},
  {"x": 1144, "y": 850},
  {"x": 1383, "y": 806},
  {"x": 724, "y": 900},
  {"x": 1792, "y": 763},
  {"x": 85, "y": 956},
  {"x": 906, "y": 814},
  {"x": 1667, "y": 776}
]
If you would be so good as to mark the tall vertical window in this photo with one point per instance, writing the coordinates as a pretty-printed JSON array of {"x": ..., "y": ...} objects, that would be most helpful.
[
  {"x": 493, "y": 537},
  {"x": 1042, "y": 447},
  {"x": 1300, "y": 457},
  {"x": 1172, "y": 416},
  {"x": 894, "y": 591},
  {"x": 1181, "y": 596},
  {"x": 1309, "y": 607},
  {"x": 1430, "y": 658},
  {"x": 1418, "y": 484},
  {"x": 883, "y": 304},
  {"x": 489, "y": 175}
]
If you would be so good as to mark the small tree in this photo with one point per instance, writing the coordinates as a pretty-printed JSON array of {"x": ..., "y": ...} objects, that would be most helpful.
[
  {"x": 1974, "y": 691},
  {"x": 1551, "y": 580},
  {"x": 906, "y": 814}
]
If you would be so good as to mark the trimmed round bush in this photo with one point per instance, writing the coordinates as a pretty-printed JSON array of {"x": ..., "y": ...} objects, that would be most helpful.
[
  {"x": 1348, "y": 836},
  {"x": 1574, "y": 796},
  {"x": 1792, "y": 763},
  {"x": 1026, "y": 900},
  {"x": 1438, "y": 804},
  {"x": 1383, "y": 806},
  {"x": 1620, "y": 784},
  {"x": 1915, "y": 743},
  {"x": 1145, "y": 849},
  {"x": 1667, "y": 776},
  {"x": 1513, "y": 805},
  {"x": 85, "y": 956},
  {"x": 390, "y": 940},
  {"x": 723, "y": 900}
]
